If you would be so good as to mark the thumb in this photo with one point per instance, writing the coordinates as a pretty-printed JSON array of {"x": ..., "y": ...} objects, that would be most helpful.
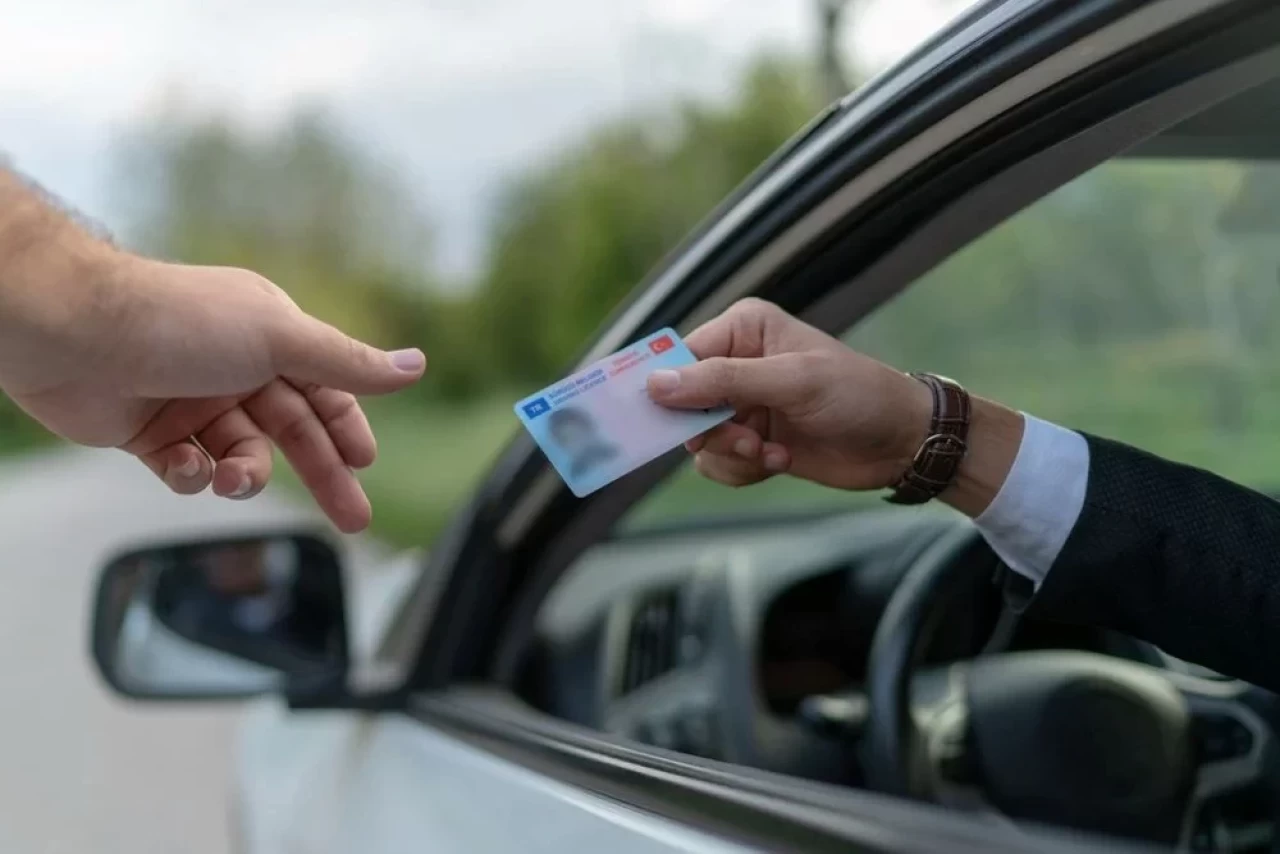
[
  {"x": 313, "y": 351},
  {"x": 771, "y": 381}
]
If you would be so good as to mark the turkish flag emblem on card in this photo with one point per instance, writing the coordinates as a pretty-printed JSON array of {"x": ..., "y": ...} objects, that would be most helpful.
[{"x": 661, "y": 345}]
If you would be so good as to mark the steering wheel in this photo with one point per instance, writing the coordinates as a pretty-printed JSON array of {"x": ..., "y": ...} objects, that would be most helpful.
[{"x": 1071, "y": 738}]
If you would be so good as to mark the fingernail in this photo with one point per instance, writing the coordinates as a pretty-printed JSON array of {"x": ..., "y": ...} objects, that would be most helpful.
[
  {"x": 189, "y": 469},
  {"x": 742, "y": 447},
  {"x": 664, "y": 381},
  {"x": 243, "y": 489},
  {"x": 410, "y": 361},
  {"x": 775, "y": 460}
]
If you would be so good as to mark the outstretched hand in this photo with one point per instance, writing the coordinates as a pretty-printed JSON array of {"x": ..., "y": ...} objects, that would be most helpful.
[{"x": 198, "y": 372}]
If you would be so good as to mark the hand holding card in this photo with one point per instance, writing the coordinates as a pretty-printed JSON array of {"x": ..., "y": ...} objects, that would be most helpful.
[{"x": 599, "y": 424}]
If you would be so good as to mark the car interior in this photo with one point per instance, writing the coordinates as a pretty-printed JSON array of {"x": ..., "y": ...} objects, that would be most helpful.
[{"x": 746, "y": 626}]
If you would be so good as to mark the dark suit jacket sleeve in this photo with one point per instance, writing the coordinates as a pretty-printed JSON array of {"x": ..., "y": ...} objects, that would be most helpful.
[{"x": 1173, "y": 555}]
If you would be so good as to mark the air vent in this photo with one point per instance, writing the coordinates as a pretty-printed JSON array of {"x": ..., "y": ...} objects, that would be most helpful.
[{"x": 652, "y": 639}]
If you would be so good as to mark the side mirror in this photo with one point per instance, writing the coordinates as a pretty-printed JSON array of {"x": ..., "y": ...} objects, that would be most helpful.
[{"x": 223, "y": 619}]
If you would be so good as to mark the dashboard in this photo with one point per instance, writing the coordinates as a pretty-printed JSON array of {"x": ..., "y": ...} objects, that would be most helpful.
[
  {"x": 711, "y": 641},
  {"x": 748, "y": 643}
]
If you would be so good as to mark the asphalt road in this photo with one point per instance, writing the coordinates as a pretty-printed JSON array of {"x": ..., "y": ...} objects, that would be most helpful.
[{"x": 83, "y": 771}]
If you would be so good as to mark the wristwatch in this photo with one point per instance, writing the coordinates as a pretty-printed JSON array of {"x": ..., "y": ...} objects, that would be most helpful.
[{"x": 939, "y": 457}]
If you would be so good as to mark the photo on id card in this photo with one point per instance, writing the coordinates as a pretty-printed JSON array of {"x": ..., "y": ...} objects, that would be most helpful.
[{"x": 599, "y": 424}]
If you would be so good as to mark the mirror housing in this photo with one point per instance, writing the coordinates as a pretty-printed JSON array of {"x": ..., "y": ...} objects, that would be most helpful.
[{"x": 225, "y": 619}]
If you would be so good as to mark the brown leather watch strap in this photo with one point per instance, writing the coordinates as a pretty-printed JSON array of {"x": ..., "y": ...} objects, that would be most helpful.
[{"x": 939, "y": 457}]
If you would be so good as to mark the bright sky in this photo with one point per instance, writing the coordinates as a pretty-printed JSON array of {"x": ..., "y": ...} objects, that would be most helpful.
[{"x": 455, "y": 94}]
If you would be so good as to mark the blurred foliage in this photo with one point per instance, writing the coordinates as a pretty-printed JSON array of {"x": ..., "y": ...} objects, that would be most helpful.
[
  {"x": 303, "y": 206},
  {"x": 574, "y": 238}
]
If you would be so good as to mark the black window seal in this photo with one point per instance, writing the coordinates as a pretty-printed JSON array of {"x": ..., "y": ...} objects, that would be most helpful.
[{"x": 757, "y": 809}]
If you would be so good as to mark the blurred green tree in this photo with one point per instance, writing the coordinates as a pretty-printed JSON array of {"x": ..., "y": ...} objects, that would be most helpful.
[
  {"x": 1113, "y": 257},
  {"x": 301, "y": 205},
  {"x": 572, "y": 239}
]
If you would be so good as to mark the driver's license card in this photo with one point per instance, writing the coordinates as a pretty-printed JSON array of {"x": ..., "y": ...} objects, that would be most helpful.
[{"x": 599, "y": 424}]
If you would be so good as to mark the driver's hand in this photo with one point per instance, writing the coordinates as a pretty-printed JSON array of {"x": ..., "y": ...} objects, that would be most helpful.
[{"x": 806, "y": 404}]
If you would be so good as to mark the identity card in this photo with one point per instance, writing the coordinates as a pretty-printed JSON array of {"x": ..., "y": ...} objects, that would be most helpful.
[{"x": 599, "y": 424}]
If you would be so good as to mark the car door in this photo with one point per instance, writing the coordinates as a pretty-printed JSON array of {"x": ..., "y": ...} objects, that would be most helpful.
[{"x": 1007, "y": 104}]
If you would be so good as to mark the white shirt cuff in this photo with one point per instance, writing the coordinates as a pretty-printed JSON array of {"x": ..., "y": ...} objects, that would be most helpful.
[{"x": 1031, "y": 517}]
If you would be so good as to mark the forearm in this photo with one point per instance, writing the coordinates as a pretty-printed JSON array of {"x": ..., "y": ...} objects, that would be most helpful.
[
  {"x": 53, "y": 273},
  {"x": 36, "y": 237}
]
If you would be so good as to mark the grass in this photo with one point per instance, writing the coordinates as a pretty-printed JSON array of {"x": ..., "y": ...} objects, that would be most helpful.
[{"x": 429, "y": 460}]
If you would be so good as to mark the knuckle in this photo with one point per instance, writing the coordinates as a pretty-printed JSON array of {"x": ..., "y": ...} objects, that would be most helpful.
[
  {"x": 265, "y": 285},
  {"x": 296, "y": 429},
  {"x": 362, "y": 355},
  {"x": 722, "y": 470},
  {"x": 752, "y": 305},
  {"x": 709, "y": 467},
  {"x": 721, "y": 372},
  {"x": 809, "y": 371},
  {"x": 758, "y": 309},
  {"x": 342, "y": 408},
  {"x": 716, "y": 444},
  {"x": 352, "y": 350},
  {"x": 808, "y": 364}
]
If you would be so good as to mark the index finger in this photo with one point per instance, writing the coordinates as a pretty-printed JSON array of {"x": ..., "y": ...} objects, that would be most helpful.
[{"x": 713, "y": 338}]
